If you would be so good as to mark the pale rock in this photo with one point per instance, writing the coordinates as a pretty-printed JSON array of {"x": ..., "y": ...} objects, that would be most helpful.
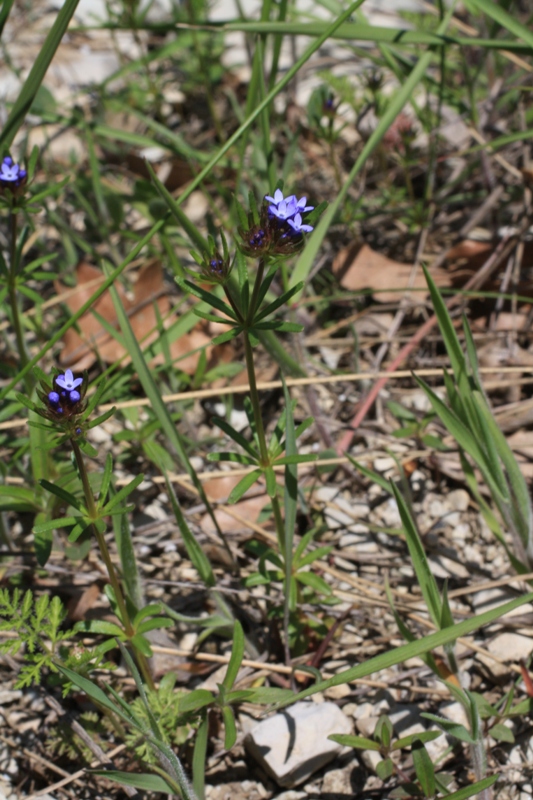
[
  {"x": 417, "y": 480},
  {"x": 419, "y": 401},
  {"x": 331, "y": 356},
  {"x": 458, "y": 500},
  {"x": 197, "y": 463},
  {"x": 492, "y": 668},
  {"x": 238, "y": 419},
  {"x": 511, "y": 646},
  {"x": 370, "y": 759},
  {"x": 9, "y": 696},
  {"x": 156, "y": 511},
  {"x": 389, "y": 514},
  {"x": 454, "y": 712},
  {"x": 384, "y": 464},
  {"x": 406, "y": 720},
  {"x": 452, "y": 518},
  {"x": 338, "y": 692},
  {"x": 352, "y": 539},
  {"x": 462, "y": 532},
  {"x": 443, "y": 567},
  {"x": 293, "y": 743},
  {"x": 350, "y": 709},
  {"x": 515, "y": 758},
  {"x": 338, "y": 782},
  {"x": 436, "y": 509},
  {"x": 325, "y": 494},
  {"x": 488, "y": 599}
]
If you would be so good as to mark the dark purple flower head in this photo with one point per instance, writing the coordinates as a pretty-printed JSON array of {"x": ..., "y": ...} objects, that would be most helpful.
[
  {"x": 11, "y": 174},
  {"x": 217, "y": 266}
]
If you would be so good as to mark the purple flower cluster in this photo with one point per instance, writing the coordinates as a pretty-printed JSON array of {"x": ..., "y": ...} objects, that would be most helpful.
[
  {"x": 68, "y": 392},
  {"x": 289, "y": 210},
  {"x": 11, "y": 174}
]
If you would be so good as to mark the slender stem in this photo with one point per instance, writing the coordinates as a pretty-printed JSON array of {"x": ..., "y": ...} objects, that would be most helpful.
[
  {"x": 255, "y": 292},
  {"x": 254, "y": 397},
  {"x": 13, "y": 300},
  {"x": 280, "y": 533},
  {"x": 104, "y": 551},
  {"x": 265, "y": 457}
]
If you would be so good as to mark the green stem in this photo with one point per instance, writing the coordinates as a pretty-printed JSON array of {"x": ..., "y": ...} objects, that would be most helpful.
[
  {"x": 254, "y": 397},
  {"x": 255, "y": 292},
  {"x": 104, "y": 552},
  {"x": 13, "y": 300}
]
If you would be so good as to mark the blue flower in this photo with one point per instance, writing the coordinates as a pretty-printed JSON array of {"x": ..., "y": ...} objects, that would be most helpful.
[
  {"x": 11, "y": 174},
  {"x": 298, "y": 226},
  {"x": 285, "y": 208},
  {"x": 68, "y": 381},
  {"x": 54, "y": 398}
]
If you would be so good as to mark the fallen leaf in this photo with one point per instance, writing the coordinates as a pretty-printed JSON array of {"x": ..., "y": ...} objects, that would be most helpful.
[
  {"x": 82, "y": 349},
  {"x": 249, "y": 508},
  {"x": 358, "y": 267},
  {"x": 80, "y": 603}
]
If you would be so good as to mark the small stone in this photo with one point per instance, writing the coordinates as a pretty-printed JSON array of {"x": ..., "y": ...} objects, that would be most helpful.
[
  {"x": 238, "y": 419},
  {"x": 511, "y": 646},
  {"x": 370, "y": 759},
  {"x": 455, "y": 712},
  {"x": 338, "y": 782},
  {"x": 458, "y": 500},
  {"x": 9, "y": 696},
  {"x": 389, "y": 514},
  {"x": 293, "y": 743}
]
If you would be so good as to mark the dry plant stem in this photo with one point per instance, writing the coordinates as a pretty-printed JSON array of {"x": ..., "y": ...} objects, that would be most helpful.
[
  {"x": 501, "y": 251},
  {"x": 104, "y": 552}
]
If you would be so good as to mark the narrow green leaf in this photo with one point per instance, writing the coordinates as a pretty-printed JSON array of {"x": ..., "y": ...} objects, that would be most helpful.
[
  {"x": 139, "y": 780},
  {"x": 99, "y": 626},
  {"x": 190, "y": 229},
  {"x": 237, "y": 654},
  {"x": 106, "y": 479},
  {"x": 473, "y": 789},
  {"x": 208, "y": 297},
  {"x": 280, "y": 301},
  {"x": 502, "y": 733},
  {"x": 194, "y": 551},
  {"x": 230, "y": 729},
  {"x": 230, "y": 431},
  {"x": 123, "y": 493},
  {"x": 423, "y": 768},
  {"x": 243, "y": 485},
  {"x": 396, "y": 655},
  {"x": 426, "y": 581},
  {"x": 199, "y": 757},
  {"x": 423, "y": 736},
  {"x": 26, "y": 96},
  {"x": 452, "y": 728},
  {"x": 359, "y": 742},
  {"x": 198, "y": 698},
  {"x": 95, "y": 693}
]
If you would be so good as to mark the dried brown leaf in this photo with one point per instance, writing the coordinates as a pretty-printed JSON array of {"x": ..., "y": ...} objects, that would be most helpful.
[
  {"x": 81, "y": 349},
  {"x": 359, "y": 267}
]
